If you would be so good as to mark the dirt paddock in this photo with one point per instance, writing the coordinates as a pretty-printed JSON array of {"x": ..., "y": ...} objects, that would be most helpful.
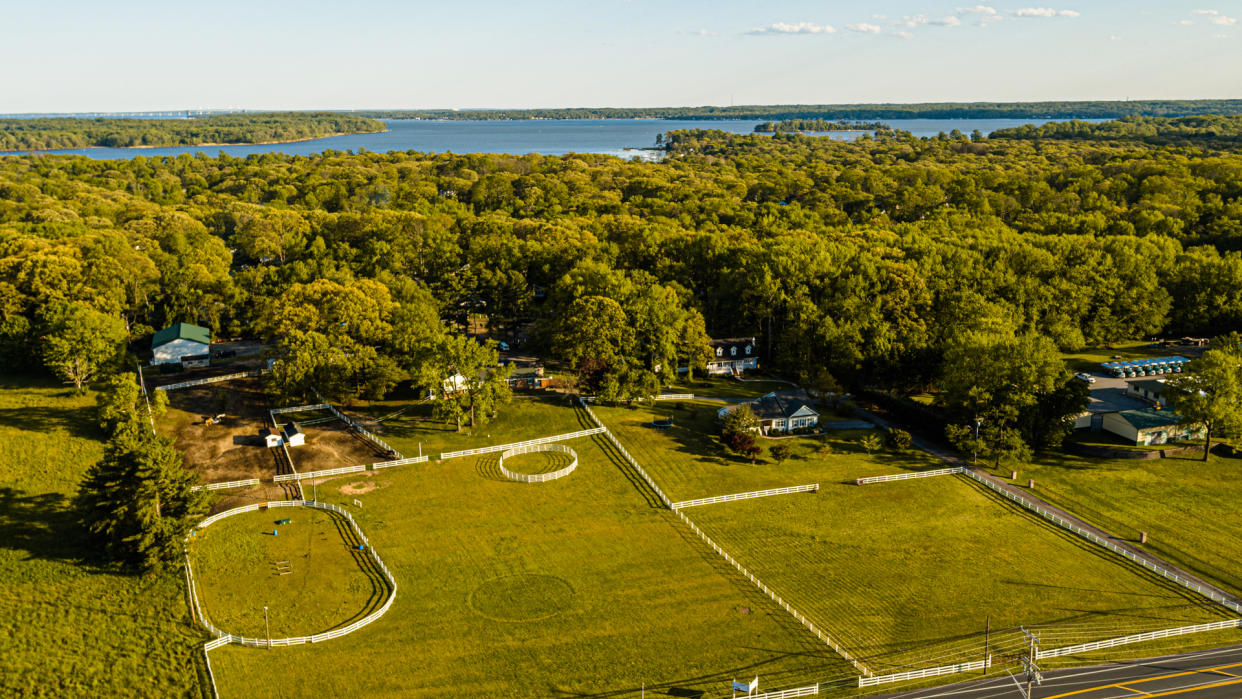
[
  {"x": 333, "y": 445},
  {"x": 234, "y": 447}
]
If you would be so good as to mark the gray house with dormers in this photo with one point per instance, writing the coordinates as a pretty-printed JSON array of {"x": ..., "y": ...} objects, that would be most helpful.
[{"x": 733, "y": 356}]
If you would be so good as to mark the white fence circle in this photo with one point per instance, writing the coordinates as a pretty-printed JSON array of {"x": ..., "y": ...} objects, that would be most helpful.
[
  {"x": 223, "y": 638},
  {"x": 538, "y": 477}
]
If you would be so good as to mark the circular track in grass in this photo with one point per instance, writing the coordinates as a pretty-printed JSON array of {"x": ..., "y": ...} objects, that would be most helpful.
[{"x": 519, "y": 598}]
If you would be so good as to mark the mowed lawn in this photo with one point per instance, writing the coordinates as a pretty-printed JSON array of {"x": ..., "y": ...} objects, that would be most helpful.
[
  {"x": 71, "y": 627},
  {"x": 580, "y": 586},
  {"x": 528, "y": 416},
  {"x": 908, "y": 573},
  {"x": 688, "y": 461},
  {"x": 1190, "y": 509},
  {"x": 310, "y": 575}
]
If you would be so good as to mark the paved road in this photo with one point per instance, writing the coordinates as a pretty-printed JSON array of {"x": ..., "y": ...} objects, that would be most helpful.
[{"x": 1211, "y": 674}]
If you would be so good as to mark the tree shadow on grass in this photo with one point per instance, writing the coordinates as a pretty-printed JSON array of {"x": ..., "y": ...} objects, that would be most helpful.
[
  {"x": 78, "y": 422},
  {"x": 42, "y": 526}
]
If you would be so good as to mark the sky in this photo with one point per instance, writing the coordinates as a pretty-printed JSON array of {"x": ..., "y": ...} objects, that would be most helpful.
[{"x": 141, "y": 55}]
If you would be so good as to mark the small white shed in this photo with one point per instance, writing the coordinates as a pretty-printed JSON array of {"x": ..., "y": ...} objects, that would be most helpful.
[{"x": 293, "y": 435}]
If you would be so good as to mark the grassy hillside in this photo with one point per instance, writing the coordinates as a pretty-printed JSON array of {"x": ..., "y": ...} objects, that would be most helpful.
[
  {"x": 72, "y": 627},
  {"x": 1189, "y": 508}
]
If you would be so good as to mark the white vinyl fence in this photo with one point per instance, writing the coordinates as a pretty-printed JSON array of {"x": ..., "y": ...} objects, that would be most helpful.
[
  {"x": 360, "y": 429},
  {"x": 538, "y": 477},
  {"x": 927, "y": 672},
  {"x": 675, "y": 396},
  {"x": 527, "y": 443},
  {"x": 632, "y": 462},
  {"x": 399, "y": 462},
  {"x": 223, "y": 637},
  {"x": 319, "y": 474},
  {"x": 228, "y": 484},
  {"x": 1214, "y": 595},
  {"x": 213, "y": 379},
  {"x": 813, "y": 487},
  {"x": 1138, "y": 638},
  {"x": 788, "y": 693},
  {"x": 300, "y": 409},
  {"x": 821, "y": 635},
  {"x": 865, "y": 480}
]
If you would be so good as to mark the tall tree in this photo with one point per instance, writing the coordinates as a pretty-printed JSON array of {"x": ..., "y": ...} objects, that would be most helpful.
[
  {"x": 80, "y": 341},
  {"x": 1209, "y": 393},
  {"x": 139, "y": 502}
]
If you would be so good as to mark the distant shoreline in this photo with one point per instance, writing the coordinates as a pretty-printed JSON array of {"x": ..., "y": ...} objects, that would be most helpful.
[{"x": 196, "y": 145}]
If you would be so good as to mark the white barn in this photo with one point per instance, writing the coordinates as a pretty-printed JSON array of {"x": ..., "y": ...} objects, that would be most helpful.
[{"x": 179, "y": 341}]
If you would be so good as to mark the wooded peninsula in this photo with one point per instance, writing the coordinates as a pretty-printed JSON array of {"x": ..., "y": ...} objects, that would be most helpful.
[
  {"x": 800, "y": 125},
  {"x": 217, "y": 129}
]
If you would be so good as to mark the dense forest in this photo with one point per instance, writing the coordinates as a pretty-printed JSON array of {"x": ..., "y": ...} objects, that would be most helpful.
[
  {"x": 794, "y": 125},
  {"x": 841, "y": 112},
  {"x": 866, "y": 261},
  {"x": 1219, "y": 131},
  {"x": 60, "y": 133}
]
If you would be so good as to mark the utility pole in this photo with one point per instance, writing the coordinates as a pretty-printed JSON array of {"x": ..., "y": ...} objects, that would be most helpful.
[
  {"x": 266, "y": 628},
  {"x": 1032, "y": 670},
  {"x": 987, "y": 639}
]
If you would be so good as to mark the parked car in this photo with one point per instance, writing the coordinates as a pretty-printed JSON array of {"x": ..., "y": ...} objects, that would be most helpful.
[{"x": 1085, "y": 377}]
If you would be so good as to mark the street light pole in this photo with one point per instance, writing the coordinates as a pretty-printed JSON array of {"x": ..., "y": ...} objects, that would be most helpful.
[{"x": 974, "y": 456}]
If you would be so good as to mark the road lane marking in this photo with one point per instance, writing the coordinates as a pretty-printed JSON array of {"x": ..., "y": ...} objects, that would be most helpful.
[
  {"x": 1131, "y": 689},
  {"x": 1197, "y": 688},
  {"x": 1121, "y": 685}
]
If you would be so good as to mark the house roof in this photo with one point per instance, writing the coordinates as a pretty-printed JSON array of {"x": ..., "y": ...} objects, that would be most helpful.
[
  {"x": 181, "y": 331},
  {"x": 291, "y": 429},
  {"x": 1150, "y": 418},
  {"x": 733, "y": 347},
  {"x": 1150, "y": 385},
  {"x": 782, "y": 405}
]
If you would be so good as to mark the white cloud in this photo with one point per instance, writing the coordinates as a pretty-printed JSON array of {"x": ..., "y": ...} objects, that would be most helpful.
[
  {"x": 865, "y": 28},
  {"x": 1204, "y": 12},
  {"x": 1224, "y": 21},
  {"x": 697, "y": 32},
  {"x": 949, "y": 21},
  {"x": 1045, "y": 12},
  {"x": 903, "y": 35},
  {"x": 796, "y": 28},
  {"x": 976, "y": 10},
  {"x": 1185, "y": 22},
  {"x": 1114, "y": 37},
  {"x": 1221, "y": 36},
  {"x": 912, "y": 21}
]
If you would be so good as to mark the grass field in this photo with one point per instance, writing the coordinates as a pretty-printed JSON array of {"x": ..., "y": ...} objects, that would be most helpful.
[
  {"x": 529, "y": 416},
  {"x": 582, "y": 586},
  {"x": 907, "y": 573},
  {"x": 72, "y": 628},
  {"x": 689, "y": 462},
  {"x": 240, "y": 569},
  {"x": 1188, "y": 508}
]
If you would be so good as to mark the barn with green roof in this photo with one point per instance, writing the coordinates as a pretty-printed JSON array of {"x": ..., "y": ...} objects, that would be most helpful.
[{"x": 182, "y": 341}]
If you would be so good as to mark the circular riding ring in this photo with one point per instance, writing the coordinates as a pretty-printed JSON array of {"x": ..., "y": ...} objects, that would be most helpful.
[
  {"x": 538, "y": 477},
  {"x": 224, "y": 638}
]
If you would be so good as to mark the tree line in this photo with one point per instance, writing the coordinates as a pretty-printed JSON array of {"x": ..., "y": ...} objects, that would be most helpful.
[
  {"x": 56, "y": 133},
  {"x": 1094, "y": 109},
  {"x": 798, "y": 125}
]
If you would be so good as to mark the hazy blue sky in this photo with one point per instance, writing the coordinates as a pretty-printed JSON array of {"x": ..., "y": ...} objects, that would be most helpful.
[{"x": 77, "y": 55}]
